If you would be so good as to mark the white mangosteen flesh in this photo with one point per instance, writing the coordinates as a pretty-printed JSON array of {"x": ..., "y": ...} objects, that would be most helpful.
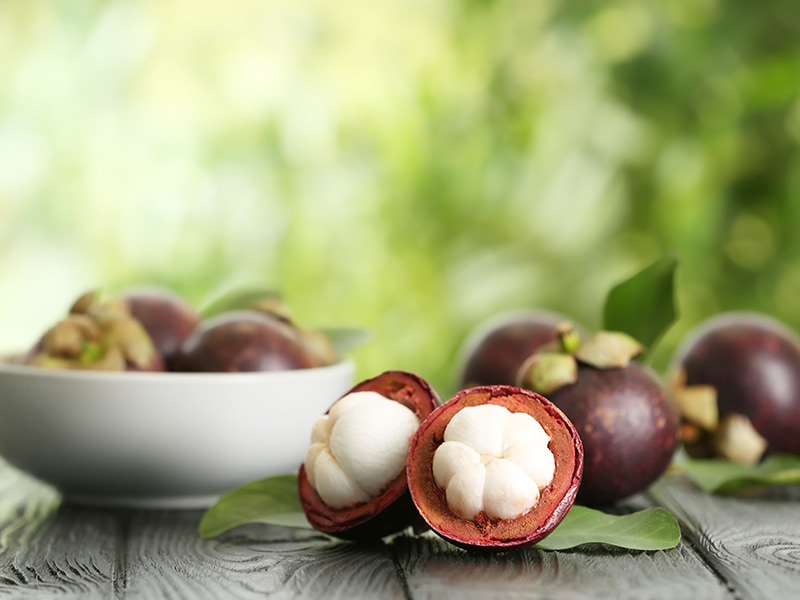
[
  {"x": 493, "y": 461},
  {"x": 359, "y": 448}
]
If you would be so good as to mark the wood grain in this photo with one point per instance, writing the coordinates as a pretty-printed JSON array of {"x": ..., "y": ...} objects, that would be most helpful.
[
  {"x": 752, "y": 542},
  {"x": 436, "y": 570},
  {"x": 733, "y": 547},
  {"x": 167, "y": 558},
  {"x": 50, "y": 549}
]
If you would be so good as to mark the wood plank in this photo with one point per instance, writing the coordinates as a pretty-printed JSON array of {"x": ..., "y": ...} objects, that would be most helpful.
[
  {"x": 49, "y": 549},
  {"x": 752, "y": 541},
  {"x": 167, "y": 558},
  {"x": 733, "y": 547},
  {"x": 434, "y": 569}
]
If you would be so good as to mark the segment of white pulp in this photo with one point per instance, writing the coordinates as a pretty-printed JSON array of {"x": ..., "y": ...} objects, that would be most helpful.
[
  {"x": 358, "y": 448},
  {"x": 493, "y": 460}
]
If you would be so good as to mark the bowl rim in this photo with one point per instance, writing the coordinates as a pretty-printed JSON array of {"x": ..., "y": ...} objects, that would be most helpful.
[{"x": 210, "y": 377}]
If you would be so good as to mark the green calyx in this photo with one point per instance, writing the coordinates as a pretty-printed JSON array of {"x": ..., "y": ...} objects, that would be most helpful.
[
  {"x": 96, "y": 334},
  {"x": 545, "y": 372},
  {"x": 554, "y": 367}
]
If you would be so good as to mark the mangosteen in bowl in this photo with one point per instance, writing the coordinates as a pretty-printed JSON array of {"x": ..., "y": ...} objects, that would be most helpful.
[
  {"x": 249, "y": 340},
  {"x": 167, "y": 316},
  {"x": 96, "y": 334}
]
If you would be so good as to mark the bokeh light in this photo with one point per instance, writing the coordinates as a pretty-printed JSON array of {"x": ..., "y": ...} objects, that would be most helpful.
[{"x": 409, "y": 168}]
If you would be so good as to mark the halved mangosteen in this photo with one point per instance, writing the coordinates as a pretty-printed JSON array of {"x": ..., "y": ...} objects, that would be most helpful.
[
  {"x": 495, "y": 468},
  {"x": 353, "y": 484}
]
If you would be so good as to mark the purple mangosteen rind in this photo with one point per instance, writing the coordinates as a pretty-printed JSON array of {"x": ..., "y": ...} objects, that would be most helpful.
[
  {"x": 752, "y": 363},
  {"x": 629, "y": 425},
  {"x": 494, "y": 351},
  {"x": 243, "y": 341},
  {"x": 167, "y": 316}
]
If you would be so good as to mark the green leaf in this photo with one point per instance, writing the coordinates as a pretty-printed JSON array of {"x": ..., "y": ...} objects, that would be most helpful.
[
  {"x": 643, "y": 306},
  {"x": 273, "y": 500},
  {"x": 649, "y": 529},
  {"x": 718, "y": 476}
]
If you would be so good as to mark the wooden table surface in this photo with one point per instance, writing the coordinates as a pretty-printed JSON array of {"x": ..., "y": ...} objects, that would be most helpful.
[{"x": 742, "y": 547}]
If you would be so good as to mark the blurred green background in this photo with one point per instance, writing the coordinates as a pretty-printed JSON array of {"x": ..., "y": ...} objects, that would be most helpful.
[{"x": 407, "y": 167}]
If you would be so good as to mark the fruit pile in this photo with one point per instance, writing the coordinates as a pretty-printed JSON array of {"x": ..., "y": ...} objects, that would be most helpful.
[
  {"x": 154, "y": 329},
  {"x": 548, "y": 416},
  {"x": 548, "y": 420}
]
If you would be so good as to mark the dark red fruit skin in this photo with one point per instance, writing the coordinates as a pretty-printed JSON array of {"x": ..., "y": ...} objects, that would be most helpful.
[
  {"x": 393, "y": 510},
  {"x": 484, "y": 534},
  {"x": 167, "y": 317},
  {"x": 753, "y": 362},
  {"x": 629, "y": 425},
  {"x": 496, "y": 350},
  {"x": 243, "y": 341}
]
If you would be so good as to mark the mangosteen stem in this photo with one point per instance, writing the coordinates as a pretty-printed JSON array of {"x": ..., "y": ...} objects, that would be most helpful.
[{"x": 568, "y": 338}]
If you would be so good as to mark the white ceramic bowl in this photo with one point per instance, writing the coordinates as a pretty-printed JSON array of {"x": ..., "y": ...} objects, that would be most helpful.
[{"x": 160, "y": 440}]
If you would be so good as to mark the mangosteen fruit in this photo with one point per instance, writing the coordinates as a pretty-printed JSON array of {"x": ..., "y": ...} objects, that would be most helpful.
[
  {"x": 245, "y": 340},
  {"x": 494, "y": 351},
  {"x": 269, "y": 302},
  {"x": 494, "y": 468},
  {"x": 622, "y": 410},
  {"x": 352, "y": 484},
  {"x": 736, "y": 378},
  {"x": 168, "y": 317},
  {"x": 96, "y": 334}
]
